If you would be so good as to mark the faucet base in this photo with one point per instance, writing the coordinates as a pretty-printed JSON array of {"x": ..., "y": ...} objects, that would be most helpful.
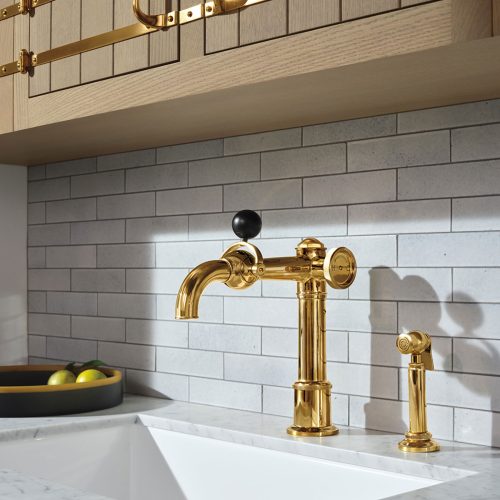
[
  {"x": 421, "y": 442},
  {"x": 296, "y": 430}
]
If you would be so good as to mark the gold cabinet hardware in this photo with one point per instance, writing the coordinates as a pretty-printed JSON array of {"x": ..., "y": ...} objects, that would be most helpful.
[
  {"x": 22, "y": 7},
  {"x": 418, "y": 439},
  {"x": 242, "y": 265},
  {"x": 148, "y": 24}
]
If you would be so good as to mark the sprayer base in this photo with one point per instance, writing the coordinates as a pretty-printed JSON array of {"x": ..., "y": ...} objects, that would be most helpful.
[{"x": 418, "y": 443}]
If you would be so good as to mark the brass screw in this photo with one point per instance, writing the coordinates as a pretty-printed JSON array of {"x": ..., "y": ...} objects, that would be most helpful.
[
  {"x": 190, "y": 13},
  {"x": 4, "y": 12},
  {"x": 4, "y": 69},
  {"x": 170, "y": 19},
  {"x": 34, "y": 59},
  {"x": 209, "y": 8}
]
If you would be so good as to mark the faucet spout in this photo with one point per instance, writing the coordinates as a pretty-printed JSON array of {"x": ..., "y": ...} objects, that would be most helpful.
[{"x": 195, "y": 283}]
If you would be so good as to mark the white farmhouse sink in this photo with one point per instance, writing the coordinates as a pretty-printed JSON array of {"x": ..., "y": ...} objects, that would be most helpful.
[{"x": 133, "y": 462}]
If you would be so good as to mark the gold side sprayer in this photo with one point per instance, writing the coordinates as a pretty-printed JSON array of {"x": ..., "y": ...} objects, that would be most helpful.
[
  {"x": 311, "y": 268},
  {"x": 419, "y": 345}
]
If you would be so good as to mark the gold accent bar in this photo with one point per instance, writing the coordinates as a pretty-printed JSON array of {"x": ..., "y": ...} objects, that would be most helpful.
[{"x": 22, "y": 7}]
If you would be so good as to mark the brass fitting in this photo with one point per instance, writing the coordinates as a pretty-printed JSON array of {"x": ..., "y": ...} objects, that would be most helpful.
[
  {"x": 311, "y": 268},
  {"x": 419, "y": 345}
]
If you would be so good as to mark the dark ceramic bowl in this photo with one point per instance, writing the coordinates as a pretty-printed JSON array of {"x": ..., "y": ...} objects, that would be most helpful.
[{"x": 24, "y": 392}]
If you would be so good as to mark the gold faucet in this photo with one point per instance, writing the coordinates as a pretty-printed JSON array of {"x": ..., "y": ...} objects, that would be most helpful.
[
  {"x": 418, "y": 439},
  {"x": 312, "y": 268}
]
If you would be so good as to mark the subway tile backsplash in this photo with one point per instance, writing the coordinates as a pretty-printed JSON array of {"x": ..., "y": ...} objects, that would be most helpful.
[{"x": 416, "y": 196}]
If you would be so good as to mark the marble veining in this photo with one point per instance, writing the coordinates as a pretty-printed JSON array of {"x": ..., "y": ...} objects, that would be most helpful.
[{"x": 468, "y": 471}]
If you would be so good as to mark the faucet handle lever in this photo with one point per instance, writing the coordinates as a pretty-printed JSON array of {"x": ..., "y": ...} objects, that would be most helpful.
[{"x": 247, "y": 224}]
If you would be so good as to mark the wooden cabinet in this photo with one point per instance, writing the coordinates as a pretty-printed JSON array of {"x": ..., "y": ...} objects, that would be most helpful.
[{"x": 278, "y": 64}]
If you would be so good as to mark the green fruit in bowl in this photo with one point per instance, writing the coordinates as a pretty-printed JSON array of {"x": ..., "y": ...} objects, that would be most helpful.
[
  {"x": 62, "y": 377},
  {"x": 89, "y": 376}
]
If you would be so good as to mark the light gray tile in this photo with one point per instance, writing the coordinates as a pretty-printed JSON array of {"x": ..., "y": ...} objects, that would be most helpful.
[
  {"x": 211, "y": 226},
  {"x": 49, "y": 279},
  {"x": 393, "y": 416},
  {"x": 226, "y": 170},
  {"x": 164, "y": 333},
  {"x": 49, "y": 324},
  {"x": 36, "y": 257},
  {"x": 478, "y": 427},
  {"x": 134, "y": 255},
  {"x": 71, "y": 210},
  {"x": 451, "y": 319},
  {"x": 71, "y": 349},
  {"x": 265, "y": 141},
  {"x": 154, "y": 280},
  {"x": 450, "y": 116},
  {"x": 210, "y": 308},
  {"x": 97, "y": 184},
  {"x": 449, "y": 250},
  {"x": 476, "y": 284},
  {"x": 463, "y": 179},
  {"x": 158, "y": 385},
  {"x": 127, "y": 305},
  {"x": 187, "y": 254},
  {"x": 262, "y": 195},
  {"x": 36, "y": 213},
  {"x": 157, "y": 229},
  {"x": 476, "y": 214},
  {"x": 189, "y": 201},
  {"x": 480, "y": 392},
  {"x": 36, "y": 172},
  {"x": 157, "y": 177},
  {"x": 83, "y": 304},
  {"x": 37, "y": 346},
  {"x": 283, "y": 342},
  {"x": 476, "y": 356},
  {"x": 227, "y": 338},
  {"x": 260, "y": 369},
  {"x": 112, "y": 231},
  {"x": 401, "y": 151},
  {"x": 54, "y": 189},
  {"x": 350, "y": 130},
  {"x": 343, "y": 189},
  {"x": 98, "y": 280},
  {"x": 126, "y": 160},
  {"x": 475, "y": 143},
  {"x": 193, "y": 151},
  {"x": 67, "y": 257},
  {"x": 300, "y": 162},
  {"x": 227, "y": 394},
  {"x": 125, "y": 206},
  {"x": 141, "y": 357},
  {"x": 304, "y": 222},
  {"x": 72, "y": 167},
  {"x": 189, "y": 362},
  {"x": 430, "y": 216},
  {"x": 50, "y": 234},
  {"x": 260, "y": 311},
  {"x": 420, "y": 284},
  {"x": 364, "y": 380},
  {"x": 37, "y": 302},
  {"x": 109, "y": 329}
]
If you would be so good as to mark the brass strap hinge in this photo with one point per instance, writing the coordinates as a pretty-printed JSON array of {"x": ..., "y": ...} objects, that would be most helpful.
[{"x": 22, "y": 7}]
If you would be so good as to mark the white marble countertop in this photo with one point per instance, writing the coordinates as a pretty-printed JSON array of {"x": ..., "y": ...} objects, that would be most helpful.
[{"x": 468, "y": 471}]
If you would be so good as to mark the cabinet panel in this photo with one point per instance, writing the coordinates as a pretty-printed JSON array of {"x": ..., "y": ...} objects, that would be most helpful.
[
  {"x": 97, "y": 18},
  {"x": 21, "y": 83},
  {"x": 192, "y": 35},
  {"x": 7, "y": 83},
  {"x": 223, "y": 32},
  {"x": 263, "y": 21},
  {"x": 407, "y": 3},
  {"x": 351, "y": 9},
  {"x": 164, "y": 45},
  {"x": 496, "y": 17},
  {"x": 130, "y": 55},
  {"x": 39, "y": 40},
  {"x": 66, "y": 27},
  {"x": 312, "y": 14}
]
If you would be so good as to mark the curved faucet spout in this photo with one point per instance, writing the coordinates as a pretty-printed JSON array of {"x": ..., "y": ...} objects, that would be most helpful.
[{"x": 195, "y": 283}]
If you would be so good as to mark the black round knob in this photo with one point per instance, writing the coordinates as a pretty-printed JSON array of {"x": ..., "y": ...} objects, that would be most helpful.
[{"x": 247, "y": 224}]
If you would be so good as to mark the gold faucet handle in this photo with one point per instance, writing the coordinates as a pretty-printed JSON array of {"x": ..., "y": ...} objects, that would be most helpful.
[
  {"x": 419, "y": 345},
  {"x": 339, "y": 267}
]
